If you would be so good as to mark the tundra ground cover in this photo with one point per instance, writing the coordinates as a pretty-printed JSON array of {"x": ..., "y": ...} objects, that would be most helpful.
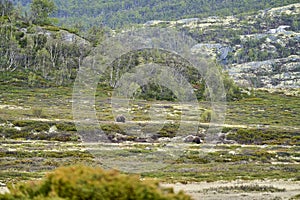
[{"x": 28, "y": 149}]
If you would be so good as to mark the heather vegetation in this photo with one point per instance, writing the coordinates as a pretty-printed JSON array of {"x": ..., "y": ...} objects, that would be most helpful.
[{"x": 87, "y": 183}]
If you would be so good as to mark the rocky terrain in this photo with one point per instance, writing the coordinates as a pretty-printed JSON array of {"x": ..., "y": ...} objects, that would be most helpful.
[
  {"x": 275, "y": 73},
  {"x": 260, "y": 51}
]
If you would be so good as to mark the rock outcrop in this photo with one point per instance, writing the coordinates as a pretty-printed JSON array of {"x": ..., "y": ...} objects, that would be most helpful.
[{"x": 277, "y": 73}]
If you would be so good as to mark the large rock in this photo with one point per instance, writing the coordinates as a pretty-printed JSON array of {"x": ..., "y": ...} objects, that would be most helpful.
[
  {"x": 276, "y": 73},
  {"x": 52, "y": 129}
]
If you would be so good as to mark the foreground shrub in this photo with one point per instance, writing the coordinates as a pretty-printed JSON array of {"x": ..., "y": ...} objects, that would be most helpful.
[
  {"x": 81, "y": 182},
  {"x": 206, "y": 116}
]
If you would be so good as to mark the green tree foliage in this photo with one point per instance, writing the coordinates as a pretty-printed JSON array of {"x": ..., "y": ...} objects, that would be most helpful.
[
  {"x": 86, "y": 183},
  {"x": 6, "y": 7},
  {"x": 95, "y": 35},
  {"x": 116, "y": 14},
  {"x": 40, "y": 11},
  {"x": 41, "y": 53},
  {"x": 130, "y": 62}
]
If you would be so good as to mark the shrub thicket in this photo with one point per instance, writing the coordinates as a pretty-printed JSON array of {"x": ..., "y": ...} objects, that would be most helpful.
[{"x": 81, "y": 182}]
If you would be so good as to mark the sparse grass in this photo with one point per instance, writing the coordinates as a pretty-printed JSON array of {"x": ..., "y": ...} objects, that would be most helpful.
[
  {"x": 265, "y": 109},
  {"x": 236, "y": 162},
  {"x": 224, "y": 171},
  {"x": 247, "y": 188},
  {"x": 19, "y": 157},
  {"x": 277, "y": 116},
  {"x": 295, "y": 197},
  {"x": 37, "y": 112}
]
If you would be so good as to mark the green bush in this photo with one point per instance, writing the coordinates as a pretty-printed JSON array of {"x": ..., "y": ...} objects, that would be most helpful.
[
  {"x": 9, "y": 132},
  {"x": 81, "y": 182},
  {"x": 169, "y": 130},
  {"x": 37, "y": 112},
  {"x": 295, "y": 197},
  {"x": 52, "y": 28},
  {"x": 264, "y": 136},
  {"x": 206, "y": 116},
  {"x": 66, "y": 126}
]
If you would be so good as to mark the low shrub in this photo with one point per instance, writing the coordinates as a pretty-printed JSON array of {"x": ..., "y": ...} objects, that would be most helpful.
[
  {"x": 206, "y": 116},
  {"x": 168, "y": 130},
  {"x": 264, "y": 136},
  {"x": 66, "y": 126},
  {"x": 37, "y": 112},
  {"x": 295, "y": 197},
  {"x": 82, "y": 182}
]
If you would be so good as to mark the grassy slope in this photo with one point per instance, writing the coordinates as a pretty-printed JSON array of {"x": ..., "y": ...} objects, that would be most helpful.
[
  {"x": 276, "y": 112},
  {"x": 281, "y": 113}
]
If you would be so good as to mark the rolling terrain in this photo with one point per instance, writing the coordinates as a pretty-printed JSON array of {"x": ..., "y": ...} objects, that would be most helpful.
[{"x": 256, "y": 46}]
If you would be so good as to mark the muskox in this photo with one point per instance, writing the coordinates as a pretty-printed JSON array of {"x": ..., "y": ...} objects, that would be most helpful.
[{"x": 120, "y": 118}]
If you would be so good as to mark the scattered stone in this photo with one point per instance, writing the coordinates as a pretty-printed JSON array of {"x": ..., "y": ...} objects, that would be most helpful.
[
  {"x": 164, "y": 139},
  {"x": 17, "y": 128},
  {"x": 229, "y": 142},
  {"x": 221, "y": 136},
  {"x": 3, "y": 188},
  {"x": 52, "y": 129},
  {"x": 148, "y": 148},
  {"x": 117, "y": 137},
  {"x": 10, "y": 125},
  {"x": 150, "y": 140}
]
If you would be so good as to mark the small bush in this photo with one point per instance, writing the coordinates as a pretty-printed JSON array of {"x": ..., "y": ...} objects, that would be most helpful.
[
  {"x": 263, "y": 136},
  {"x": 52, "y": 28},
  {"x": 66, "y": 126},
  {"x": 207, "y": 115},
  {"x": 169, "y": 130},
  {"x": 81, "y": 182},
  {"x": 37, "y": 112},
  {"x": 9, "y": 132},
  {"x": 295, "y": 197}
]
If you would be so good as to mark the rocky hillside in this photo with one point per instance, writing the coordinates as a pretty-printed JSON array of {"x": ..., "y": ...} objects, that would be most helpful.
[{"x": 259, "y": 50}]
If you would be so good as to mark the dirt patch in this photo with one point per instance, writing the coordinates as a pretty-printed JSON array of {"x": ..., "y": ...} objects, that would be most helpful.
[{"x": 211, "y": 190}]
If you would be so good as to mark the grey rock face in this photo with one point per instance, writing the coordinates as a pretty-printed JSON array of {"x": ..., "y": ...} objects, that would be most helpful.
[{"x": 276, "y": 73}]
